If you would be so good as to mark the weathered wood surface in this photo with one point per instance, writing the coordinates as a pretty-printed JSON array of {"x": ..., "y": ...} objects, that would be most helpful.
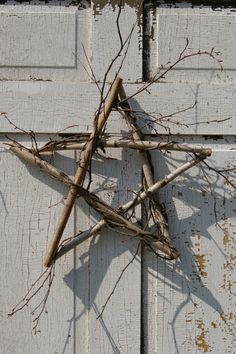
[
  {"x": 205, "y": 29},
  {"x": 99, "y": 262},
  {"x": 84, "y": 277},
  {"x": 28, "y": 219},
  {"x": 178, "y": 306},
  {"x": 50, "y": 43},
  {"x": 189, "y": 305},
  {"x": 51, "y": 107}
]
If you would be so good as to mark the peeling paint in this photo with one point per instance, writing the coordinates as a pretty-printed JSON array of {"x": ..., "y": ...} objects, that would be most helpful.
[
  {"x": 226, "y": 239},
  {"x": 99, "y": 5},
  {"x": 213, "y": 324},
  {"x": 201, "y": 262},
  {"x": 102, "y": 3},
  {"x": 201, "y": 338},
  {"x": 228, "y": 284}
]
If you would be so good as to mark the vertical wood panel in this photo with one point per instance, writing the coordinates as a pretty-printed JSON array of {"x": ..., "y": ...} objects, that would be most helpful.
[
  {"x": 27, "y": 222},
  {"x": 105, "y": 41},
  {"x": 189, "y": 303},
  {"x": 99, "y": 263}
]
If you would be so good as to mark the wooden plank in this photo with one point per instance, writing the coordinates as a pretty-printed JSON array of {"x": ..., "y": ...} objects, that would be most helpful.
[
  {"x": 67, "y": 35},
  {"x": 105, "y": 42},
  {"x": 51, "y": 107},
  {"x": 99, "y": 263},
  {"x": 48, "y": 106},
  {"x": 23, "y": 47},
  {"x": 44, "y": 43},
  {"x": 189, "y": 304},
  {"x": 28, "y": 220},
  {"x": 205, "y": 29}
]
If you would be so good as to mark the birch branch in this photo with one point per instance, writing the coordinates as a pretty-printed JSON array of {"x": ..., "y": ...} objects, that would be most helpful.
[
  {"x": 111, "y": 216},
  {"x": 163, "y": 182},
  {"x": 157, "y": 186},
  {"x": 123, "y": 143}
]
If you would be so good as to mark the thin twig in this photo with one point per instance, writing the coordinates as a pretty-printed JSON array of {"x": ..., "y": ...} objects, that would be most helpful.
[
  {"x": 46, "y": 277},
  {"x": 118, "y": 280}
]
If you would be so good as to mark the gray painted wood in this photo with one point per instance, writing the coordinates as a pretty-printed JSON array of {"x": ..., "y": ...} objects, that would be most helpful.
[
  {"x": 205, "y": 29},
  {"x": 27, "y": 222},
  {"x": 35, "y": 106},
  {"x": 53, "y": 86},
  {"x": 187, "y": 305}
]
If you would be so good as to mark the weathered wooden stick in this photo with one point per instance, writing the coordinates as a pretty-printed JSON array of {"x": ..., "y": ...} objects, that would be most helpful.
[
  {"x": 163, "y": 182},
  {"x": 111, "y": 216},
  {"x": 157, "y": 186},
  {"x": 145, "y": 156},
  {"x": 123, "y": 143},
  {"x": 84, "y": 163},
  {"x": 28, "y": 156}
]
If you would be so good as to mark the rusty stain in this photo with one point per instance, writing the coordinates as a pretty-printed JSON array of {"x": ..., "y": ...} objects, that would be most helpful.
[
  {"x": 231, "y": 264},
  {"x": 201, "y": 262},
  {"x": 231, "y": 316},
  {"x": 201, "y": 338},
  {"x": 226, "y": 239},
  {"x": 228, "y": 284},
  {"x": 213, "y": 324}
]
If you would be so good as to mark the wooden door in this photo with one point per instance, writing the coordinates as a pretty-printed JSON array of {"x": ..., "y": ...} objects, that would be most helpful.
[
  {"x": 158, "y": 307},
  {"x": 190, "y": 305},
  {"x": 45, "y": 88}
]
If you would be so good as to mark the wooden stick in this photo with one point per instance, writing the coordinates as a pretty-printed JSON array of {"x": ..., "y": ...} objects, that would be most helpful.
[
  {"x": 84, "y": 163},
  {"x": 123, "y": 143},
  {"x": 25, "y": 154},
  {"x": 111, "y": 216},
  {"x": 163, "y": 182},
  {"x": 157, "y": 186},
  {"x": 146, "y": 166}
]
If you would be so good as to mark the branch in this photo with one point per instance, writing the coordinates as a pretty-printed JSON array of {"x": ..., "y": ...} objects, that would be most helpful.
[
  {"x": 123, "y": 143},
  {"x": 85, "y": 160},
  {"x": 146, "y": 167}
]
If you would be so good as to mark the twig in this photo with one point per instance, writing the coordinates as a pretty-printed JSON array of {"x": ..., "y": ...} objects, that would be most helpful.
[
  {"x": 85, "y": 160},
  {"x": 164, "y": 70},
  {"x": 45, "y": 278},
  {"x": 220, "y": 173},
  {"x": 118, "y": 280}
]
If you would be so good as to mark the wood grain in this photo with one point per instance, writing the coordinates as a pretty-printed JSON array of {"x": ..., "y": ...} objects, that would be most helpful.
[
  {"x": 35, "y": 105},
  {"x": 28, "y": 219},
  {"x": 189, "y": 305}
]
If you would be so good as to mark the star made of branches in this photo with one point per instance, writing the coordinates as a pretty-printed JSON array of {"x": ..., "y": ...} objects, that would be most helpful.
[{"x": 159, "y": 242}]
